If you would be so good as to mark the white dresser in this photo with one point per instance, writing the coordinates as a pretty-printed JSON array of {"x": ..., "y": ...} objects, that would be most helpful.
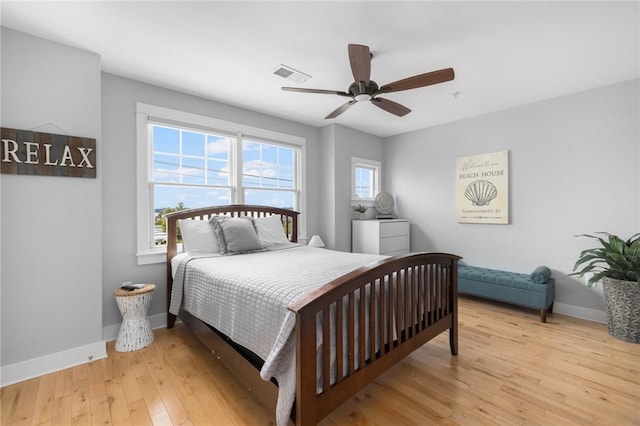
[{"x": 384, "y": 236}]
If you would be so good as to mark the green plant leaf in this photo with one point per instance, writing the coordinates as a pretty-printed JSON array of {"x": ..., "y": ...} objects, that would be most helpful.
[{"x": 615, "y": 258}]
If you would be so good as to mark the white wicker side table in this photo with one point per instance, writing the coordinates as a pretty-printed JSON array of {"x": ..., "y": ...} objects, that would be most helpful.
[{"x": 135, "y": 332}]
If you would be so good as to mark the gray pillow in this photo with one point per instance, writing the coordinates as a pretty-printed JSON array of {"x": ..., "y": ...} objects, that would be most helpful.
[{"x": 236, "y": 235}]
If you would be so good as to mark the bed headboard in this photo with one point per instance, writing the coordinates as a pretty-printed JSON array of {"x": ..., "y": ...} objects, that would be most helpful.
[{"x": 288, "y": 217}]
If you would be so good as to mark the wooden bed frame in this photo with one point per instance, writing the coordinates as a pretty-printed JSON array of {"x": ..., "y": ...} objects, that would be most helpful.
[{"x": 425, "y": 299}]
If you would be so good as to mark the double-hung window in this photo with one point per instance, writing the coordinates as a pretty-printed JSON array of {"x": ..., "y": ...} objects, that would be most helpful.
[{"x": 188, "y": 161}]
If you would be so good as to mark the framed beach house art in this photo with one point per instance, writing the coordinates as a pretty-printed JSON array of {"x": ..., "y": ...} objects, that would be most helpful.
[{"x": 482, "y": 188}]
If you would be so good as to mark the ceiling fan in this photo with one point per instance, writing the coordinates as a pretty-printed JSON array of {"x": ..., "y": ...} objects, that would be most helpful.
[{"x": 364, "y": 89}]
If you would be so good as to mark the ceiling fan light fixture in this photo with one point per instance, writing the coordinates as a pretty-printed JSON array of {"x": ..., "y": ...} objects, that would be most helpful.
[{"x": 362, "y": 97}]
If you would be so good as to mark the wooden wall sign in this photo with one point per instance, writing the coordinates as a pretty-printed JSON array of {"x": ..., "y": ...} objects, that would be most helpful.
[
  {"x": 482, "y": 188},
  {"x": 25, "y": 152}
]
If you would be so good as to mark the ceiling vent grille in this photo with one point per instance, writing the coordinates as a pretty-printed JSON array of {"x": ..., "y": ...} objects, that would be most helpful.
[{"x": 291, "y": 74}]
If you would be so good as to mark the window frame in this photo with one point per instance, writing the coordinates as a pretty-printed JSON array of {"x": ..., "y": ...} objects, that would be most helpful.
[
  {"x": 146, "y": 114},
  {"x": 377, "y": 179}
]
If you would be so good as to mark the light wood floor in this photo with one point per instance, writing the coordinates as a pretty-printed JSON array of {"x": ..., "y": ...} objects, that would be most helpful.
[{"x": 511, "y": 370}]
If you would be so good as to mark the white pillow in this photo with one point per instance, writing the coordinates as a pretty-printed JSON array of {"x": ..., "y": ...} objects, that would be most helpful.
[
  {"x": 198, "y": 236},
  {"x": 270, "y": 230}
]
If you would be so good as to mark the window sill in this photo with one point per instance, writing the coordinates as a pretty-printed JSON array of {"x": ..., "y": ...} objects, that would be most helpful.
[
  {"x": 152, "y": 256},
  {"x": 366, "y": 203}
]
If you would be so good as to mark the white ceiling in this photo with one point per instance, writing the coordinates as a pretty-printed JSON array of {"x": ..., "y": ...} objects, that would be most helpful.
[{"x": 504, "y": 53}]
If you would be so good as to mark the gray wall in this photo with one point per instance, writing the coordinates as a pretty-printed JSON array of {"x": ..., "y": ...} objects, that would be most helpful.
[
  {"x": 68, "y": 242},
  {"x": 119, "y": 97},
  {"x": 339, "y": 144},
  {"x": 573, "y": 163},
  {"x": 51, "y": 226}
]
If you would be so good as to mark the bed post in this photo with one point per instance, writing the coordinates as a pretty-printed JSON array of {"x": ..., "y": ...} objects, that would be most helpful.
[
  {"x": 305, "y": 404},
  {"x": 172, "y": 249},
  {"x": 453, "y": 331}
]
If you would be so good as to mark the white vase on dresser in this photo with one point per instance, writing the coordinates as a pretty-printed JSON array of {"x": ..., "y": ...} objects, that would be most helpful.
[{"x": 380, "y": 236}]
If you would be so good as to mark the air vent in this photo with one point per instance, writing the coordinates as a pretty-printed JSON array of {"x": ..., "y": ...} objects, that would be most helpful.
[{"x": 291, "y": 74}]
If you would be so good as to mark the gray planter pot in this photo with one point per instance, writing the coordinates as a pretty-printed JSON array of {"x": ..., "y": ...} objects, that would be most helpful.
[{"x": 622, "y": 300}]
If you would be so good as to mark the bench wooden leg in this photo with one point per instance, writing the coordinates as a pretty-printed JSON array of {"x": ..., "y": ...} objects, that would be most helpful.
[{"x": 543, "y": 315}]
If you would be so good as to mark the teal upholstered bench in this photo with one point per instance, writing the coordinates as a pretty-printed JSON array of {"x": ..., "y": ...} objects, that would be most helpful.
[{"x": 535, "y": 290}]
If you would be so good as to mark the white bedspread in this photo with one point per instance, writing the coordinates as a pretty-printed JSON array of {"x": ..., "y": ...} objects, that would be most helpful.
[{"x": 246, "y": 297}]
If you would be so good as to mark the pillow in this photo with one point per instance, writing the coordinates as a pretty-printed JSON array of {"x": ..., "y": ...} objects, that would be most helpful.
[
  {"x": 541, "y": 275},
  {"x": 236, "y": 235},
  {"x": 198, "y": 236},
  {"x": 270, "y": 230}
]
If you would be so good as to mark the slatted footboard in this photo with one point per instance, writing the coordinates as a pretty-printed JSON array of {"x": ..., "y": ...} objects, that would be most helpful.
[{"x": 371, "y": 319}]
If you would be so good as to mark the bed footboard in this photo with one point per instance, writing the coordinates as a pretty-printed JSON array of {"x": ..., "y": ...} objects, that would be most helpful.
[{"x": 371, "y": 318}]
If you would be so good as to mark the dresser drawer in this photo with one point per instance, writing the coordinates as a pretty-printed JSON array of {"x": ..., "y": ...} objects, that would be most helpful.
[
  {"x": 392, "y": 229},
  {"x": 394, "y": 244},
  {"x": 389, "y": 237}
]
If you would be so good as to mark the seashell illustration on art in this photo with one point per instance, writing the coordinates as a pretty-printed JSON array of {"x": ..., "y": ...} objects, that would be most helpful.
[{"x": 480, "y": 192}]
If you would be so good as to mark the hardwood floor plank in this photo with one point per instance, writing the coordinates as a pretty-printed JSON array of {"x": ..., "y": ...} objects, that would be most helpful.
[
  {"x": 187, "y": 368},
  {"x": 118, "y": 407},
  {"x": 161, "y": 418},
  {"x": 43, "y": 406},
  {"x": 62, "y": 410},
  {"x": 139, "y": 414},
  {"x": 511, "y": 370},
  {"x": 64, "y": 383},
  {"x": 80, "y": 403},
  {"x": 9, "y": 396},
  {"x": 152, "y": 398},
  {"x": 156, "y": 364},
  {"x": 125, "y": 373},
  {"x": 98, "y": 397}
]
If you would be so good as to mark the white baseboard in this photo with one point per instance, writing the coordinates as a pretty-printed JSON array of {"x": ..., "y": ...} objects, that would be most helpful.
[
  {"x": 25, "y": 370},
  {"x": 110, "y": 332},
  {"x": 589, "y": 314}
]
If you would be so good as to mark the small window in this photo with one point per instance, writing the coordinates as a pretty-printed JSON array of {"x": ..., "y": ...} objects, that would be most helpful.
[{"x": 365, "y": 180}]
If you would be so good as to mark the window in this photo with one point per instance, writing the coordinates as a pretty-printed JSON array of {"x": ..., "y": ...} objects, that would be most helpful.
[
  {"x": 365, "y": 180},
  {"x": 189, "y": 161},
  {"x": 268, "y": 174},
  {"x": 190, "y": 168}
]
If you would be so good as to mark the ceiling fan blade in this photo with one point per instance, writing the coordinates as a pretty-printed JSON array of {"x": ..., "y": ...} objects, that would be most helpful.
[
  {"x": 342, "y": 108},
  {"x": 421, "y": 80},
  {"x": 360, "y": 59},
  {"x": 390, "y": 106},
  {"x": 304, "y": 90}
]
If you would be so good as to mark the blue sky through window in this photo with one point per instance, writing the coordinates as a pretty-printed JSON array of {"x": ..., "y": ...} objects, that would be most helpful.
[{"x": 198, "y": 163}]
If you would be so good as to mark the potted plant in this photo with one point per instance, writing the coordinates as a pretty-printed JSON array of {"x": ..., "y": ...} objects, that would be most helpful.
[
  {"x": 617, "y": 264},
  {"x": 361, "y": 209}
]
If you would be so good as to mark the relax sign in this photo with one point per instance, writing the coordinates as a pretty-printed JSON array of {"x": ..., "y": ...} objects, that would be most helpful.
[{"x": 25, "y": 152}]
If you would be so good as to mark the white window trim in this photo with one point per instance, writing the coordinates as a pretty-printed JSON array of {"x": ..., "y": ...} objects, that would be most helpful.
[
  {"x": 357, "y": 161},
  {"x": 145, "y": 112}
]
